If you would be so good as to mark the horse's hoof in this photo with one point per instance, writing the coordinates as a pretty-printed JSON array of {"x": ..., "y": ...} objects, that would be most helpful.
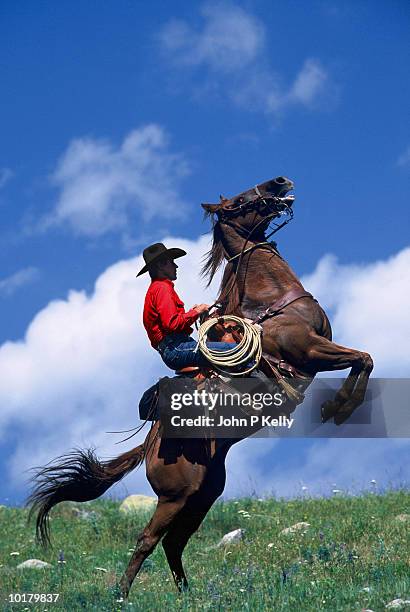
[
  {"x": 342, "y": 416},
  {"x": 327, "y": 410},
  {"x": 118, "y": 592},
  {"x": 183, "y": 587},
  {"x": 123, "y": 588}
]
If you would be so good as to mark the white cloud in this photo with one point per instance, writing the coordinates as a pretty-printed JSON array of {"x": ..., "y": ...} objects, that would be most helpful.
[
  {"x": 404, "y": 159},
  {"x": 85, "y": 361},
  {"x": 103, "y": 188},
  {"x": 5, "y": 175},
  {"x": 231, "y": 51},
  {"x": 347, "y": 464},
  {"x": 231, "y": 39},
  {"x": 309, "y": 83},
  {"x": 369, "y": 305},
  {"x": 368, "y": 308},
  {"x": 19, "y": 279}
]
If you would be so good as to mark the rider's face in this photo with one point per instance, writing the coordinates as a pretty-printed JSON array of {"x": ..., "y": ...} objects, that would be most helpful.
[{"x": 169, "y": 269}]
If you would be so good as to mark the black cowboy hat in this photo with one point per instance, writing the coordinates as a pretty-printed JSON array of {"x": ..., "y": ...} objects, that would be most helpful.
[{"x": 153, "y": 252}]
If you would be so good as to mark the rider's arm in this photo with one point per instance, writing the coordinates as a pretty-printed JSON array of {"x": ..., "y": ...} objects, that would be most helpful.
[{"x": 171, "y": 313}]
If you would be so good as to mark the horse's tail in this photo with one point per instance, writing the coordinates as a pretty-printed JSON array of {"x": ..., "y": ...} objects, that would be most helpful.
[{"x": 78, "y": 476}]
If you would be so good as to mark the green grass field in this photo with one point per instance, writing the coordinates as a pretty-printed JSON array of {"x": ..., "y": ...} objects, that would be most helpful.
[{"x": 354, "y": 556}]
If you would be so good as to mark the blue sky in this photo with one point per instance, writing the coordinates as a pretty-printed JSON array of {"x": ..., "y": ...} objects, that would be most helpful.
[{"x": 118, "y": 119}]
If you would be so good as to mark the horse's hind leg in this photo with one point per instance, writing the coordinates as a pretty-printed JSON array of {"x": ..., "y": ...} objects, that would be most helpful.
[
  {"x": 324, "y": 355},
  {"x": 357, "y": 396},
  {"x": 148, "y": 539},
  {"x": 185, "y": 524},
  {"x": 190, "y": 518},
  {"x": 330, "y": 407}
]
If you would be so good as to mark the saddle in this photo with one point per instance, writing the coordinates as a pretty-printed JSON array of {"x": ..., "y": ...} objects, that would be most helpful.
[{"x": 148, "y": 405}]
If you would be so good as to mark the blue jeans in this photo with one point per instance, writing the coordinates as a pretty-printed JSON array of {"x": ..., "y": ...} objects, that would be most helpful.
[{"x": 178, "y": 351}]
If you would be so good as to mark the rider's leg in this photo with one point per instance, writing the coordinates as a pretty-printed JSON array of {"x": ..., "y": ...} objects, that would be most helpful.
[{"x": 183, "y": 354}]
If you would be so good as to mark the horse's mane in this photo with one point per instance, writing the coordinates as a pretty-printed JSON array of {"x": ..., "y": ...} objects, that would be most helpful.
[
  {"x": 213, "y": 260},
  {"x": 216, "y": 254}
]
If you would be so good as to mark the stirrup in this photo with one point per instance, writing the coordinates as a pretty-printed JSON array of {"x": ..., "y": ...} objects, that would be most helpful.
[{"x": 187, "y": 370}]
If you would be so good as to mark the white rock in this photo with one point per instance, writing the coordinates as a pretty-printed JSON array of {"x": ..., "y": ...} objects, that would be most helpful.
[
  {"x": 33, "y": 564},
  {"x": 296, "y": 527},
  {"x": 398, "y": 603},
  {"x": 233, "y": 537},
  {"x": 133, "y": 503},
  {"x": 87, "y": 515},
  {"x": 403, "y": 518}
]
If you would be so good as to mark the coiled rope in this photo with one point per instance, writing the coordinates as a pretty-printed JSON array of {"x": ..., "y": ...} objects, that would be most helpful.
[{"x": 248, "y": 349}]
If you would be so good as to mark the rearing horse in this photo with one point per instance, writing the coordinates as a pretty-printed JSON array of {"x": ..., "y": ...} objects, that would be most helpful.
[
  {"x": 189, "y": 475},
  {"x": 260, "y": 285}
]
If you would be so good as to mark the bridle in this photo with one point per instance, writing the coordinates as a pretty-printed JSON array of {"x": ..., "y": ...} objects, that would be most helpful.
[
  {"x": 252, "y": 203},
  {"x": 227, "y": 215}
]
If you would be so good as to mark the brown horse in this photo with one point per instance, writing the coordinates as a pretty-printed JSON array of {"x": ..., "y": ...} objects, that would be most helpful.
[
  {"x": 189, "y": 475},
  {"x": 260, "y": 285}
]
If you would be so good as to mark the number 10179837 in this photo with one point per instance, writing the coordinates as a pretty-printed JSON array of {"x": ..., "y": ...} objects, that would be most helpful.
[{"x": 33, "y": 597}]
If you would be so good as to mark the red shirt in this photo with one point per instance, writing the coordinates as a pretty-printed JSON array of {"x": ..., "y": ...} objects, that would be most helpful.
[{"x": 164, "y": 312}]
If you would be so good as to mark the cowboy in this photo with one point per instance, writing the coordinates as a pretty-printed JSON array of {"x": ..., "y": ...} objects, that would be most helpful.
[{"x": 168, "y": 325}]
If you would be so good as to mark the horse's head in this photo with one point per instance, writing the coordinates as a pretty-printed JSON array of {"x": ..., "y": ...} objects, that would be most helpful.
[
  {"x": 249, "y": 214},
  {"x": 263, "y": 202}
]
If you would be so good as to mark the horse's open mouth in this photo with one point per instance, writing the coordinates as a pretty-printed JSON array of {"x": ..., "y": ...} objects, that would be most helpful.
[
  {"x": 286, "y": 202},
  {"x": 280, "y": 187}
]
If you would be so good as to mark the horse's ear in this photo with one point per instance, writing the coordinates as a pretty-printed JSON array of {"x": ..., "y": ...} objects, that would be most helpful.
[{"x": 210, "y": 208}]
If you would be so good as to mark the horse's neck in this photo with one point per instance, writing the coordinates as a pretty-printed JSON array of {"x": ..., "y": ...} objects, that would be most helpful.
[{"x": 263, "y": 276}]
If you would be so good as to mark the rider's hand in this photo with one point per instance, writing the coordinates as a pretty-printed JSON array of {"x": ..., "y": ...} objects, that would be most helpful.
[{"x": 200, "y": 308}]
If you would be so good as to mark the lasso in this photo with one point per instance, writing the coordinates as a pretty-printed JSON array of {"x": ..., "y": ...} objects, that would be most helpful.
[{"x": 248, "y": 349}]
